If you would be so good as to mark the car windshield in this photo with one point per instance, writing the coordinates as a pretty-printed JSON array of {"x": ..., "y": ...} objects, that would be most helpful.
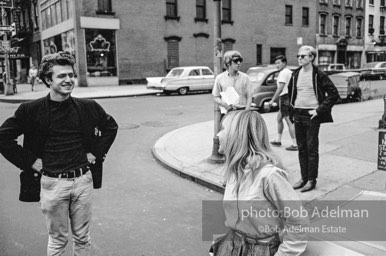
[
  {"x": 370, "y": 65},
  {"x": 255, "y": 75},
  {"x": 175, "y": 72}
]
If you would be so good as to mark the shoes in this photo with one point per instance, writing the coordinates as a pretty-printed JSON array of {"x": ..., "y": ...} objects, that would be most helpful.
[
  {"x": 292, "y": 148},
  {"x": 301, "y": 183},
  {"x": 311, "y": 184},
  {"x": 276, "y": 143}
]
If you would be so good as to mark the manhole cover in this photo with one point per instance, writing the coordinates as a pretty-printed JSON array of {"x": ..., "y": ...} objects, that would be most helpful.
[
  {"x": 128, "y": 126},
  {"x": 174, "y": 113},
  {"x": 159, "y": 123}
]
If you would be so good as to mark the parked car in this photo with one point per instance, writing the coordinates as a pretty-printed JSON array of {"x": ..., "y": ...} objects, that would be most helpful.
[
  {"x": 183, "y": 80},
  {"x": 334, "y": 68},
  {"x": 348, "y": 86},
  {"x": 374, "y": 70},
  {"x": 264, "y": 85}
]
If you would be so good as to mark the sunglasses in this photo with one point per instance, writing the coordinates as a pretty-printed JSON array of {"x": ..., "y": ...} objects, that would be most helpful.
[
  {"x": 302, "y": 56},
  {"x": 238, "y": 59}
]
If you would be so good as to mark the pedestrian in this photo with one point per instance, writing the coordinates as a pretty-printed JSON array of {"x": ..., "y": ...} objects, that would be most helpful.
[
  {"x": 232, "y": 84},
  {"x": 32, "y": 74},
  {"x": 312, "y": 96},
  {"x": 284, "y": 107},
  {"x": 64, "y": 138},
  {"x": 257, "y": 183}
]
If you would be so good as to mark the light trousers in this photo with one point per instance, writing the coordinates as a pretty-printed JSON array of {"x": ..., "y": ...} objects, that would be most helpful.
[{"x": 64, "y": 203}]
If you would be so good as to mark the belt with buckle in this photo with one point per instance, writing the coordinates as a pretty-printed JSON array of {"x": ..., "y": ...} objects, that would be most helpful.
[{"x": 70, "y": 174}]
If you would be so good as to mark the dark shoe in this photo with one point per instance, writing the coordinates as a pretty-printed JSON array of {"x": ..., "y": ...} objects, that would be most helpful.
[
  {"x": 276, "y": 143},
  {"x": 311, "y": 184},
  {"x": 292, "y": 148},
  {"x": 301, "y": 183}
]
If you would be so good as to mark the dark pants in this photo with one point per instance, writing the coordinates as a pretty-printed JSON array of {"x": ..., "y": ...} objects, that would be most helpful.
[{"x": 307, "y": 132}]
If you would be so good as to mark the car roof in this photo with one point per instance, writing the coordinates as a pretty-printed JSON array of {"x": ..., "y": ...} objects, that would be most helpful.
[
  {"x": 269, "y": 68},
  {"x": 192, "y": 67}
]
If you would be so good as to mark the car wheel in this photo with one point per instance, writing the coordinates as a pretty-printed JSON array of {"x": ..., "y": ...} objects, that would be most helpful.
[
  {"x": 380, "y": 77},
  {"x": 357, "y": 96},
  {"x": 183, "y": 90}
]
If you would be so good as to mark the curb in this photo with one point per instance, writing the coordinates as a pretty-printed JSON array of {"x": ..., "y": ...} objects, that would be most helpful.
[{"x": 159, "y": 149}]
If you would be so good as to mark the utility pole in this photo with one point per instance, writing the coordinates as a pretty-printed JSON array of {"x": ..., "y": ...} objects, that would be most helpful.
[
  {"x": 217, "y": 60},
  {"x": 8, "y": 88}
]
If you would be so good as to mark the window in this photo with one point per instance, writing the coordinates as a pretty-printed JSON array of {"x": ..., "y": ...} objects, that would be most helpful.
[
  {"x": 323, "y": 2},
  {"x": 322, "y": 24},
  {"x": 348, "y": 27},
  {"x": 336, "y": 2},
  {"x": 359, "y": 27},
  {"x": 348, "y": 3},
  {"x": 228, "y": 45},
  {"x": 359, "y": 4},
  {"x": 173, "y": 56},
  {"x": 371, "y": 24},
  {"x": 335, "y": 26},
  {"x": 194, "y": 72},
  {"x": 371, "y": 2},
  {"x": 305, "y": 16},
  {"x": 206, "y": 72},
  {"x": 259, "y": 54},
  {"x": 382, "y": 3},
  {"x": 101, "y": 53},
  {"x": 201, "y": 10},
  {"x": 171, "y": 8},
  {"x": 226, "y": 11},
  {"x": 288, "y": 15},
  {"x": 104, "y": 6},
  {"x": 54, "y": 13},
  {"x": 382, "y": 25}
]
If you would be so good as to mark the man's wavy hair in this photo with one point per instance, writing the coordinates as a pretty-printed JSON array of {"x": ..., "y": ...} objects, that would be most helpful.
[{"x": 54, "y": 59}]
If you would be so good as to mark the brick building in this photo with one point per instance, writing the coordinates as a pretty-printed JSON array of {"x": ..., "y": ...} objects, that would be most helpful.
[
  {"x": 340, "y": 32},
  {"x": 375, "y": 43},
  {"x": 124, "y": 41}
]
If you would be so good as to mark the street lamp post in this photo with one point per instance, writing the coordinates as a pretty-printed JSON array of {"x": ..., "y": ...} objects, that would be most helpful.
[{"x": 217, "y": 60}]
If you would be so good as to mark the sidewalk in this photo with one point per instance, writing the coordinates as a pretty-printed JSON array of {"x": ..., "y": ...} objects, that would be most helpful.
[
  {"x": 347, "y": 148},
  {"x": 24, "y": 92},
  {"x": 347, "y": 165}
]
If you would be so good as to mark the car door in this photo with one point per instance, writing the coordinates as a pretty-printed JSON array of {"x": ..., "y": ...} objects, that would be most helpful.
[
  {"x": 195, "y": 80},
  {"x": 269, "y": 86},
  {"x": 208, "y": 79}
]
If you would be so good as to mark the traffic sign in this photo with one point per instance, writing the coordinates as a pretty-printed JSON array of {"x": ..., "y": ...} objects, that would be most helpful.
[
  {"x": 7, "y": 28},
  {"x": 6, "y": 3}
]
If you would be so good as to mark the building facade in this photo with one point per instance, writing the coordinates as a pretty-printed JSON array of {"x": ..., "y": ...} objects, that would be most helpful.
[
  {"x": 123, "y": 42},
  {"x": 375, "y": 43},
  {"x": 340, "y": 32}
]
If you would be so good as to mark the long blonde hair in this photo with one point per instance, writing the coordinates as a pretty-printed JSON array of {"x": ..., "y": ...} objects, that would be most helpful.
[{"x": 247, "y": 145}]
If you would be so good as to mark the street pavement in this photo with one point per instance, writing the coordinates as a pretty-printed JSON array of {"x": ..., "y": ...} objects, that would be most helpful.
[
  {"x": 24, "y": 92},
  {"x": 348, "y": 153},
  {"x": 347, "y": 169}
]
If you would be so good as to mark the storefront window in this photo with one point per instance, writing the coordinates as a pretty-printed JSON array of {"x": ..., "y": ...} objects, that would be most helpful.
[
  {"x": 101, "y": 52},
  {"x": 326, "y": 57},
  {"x": 61, "y": 42}
]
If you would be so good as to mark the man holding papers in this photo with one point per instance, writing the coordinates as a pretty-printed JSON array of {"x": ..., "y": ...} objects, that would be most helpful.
[{"x": 232, "y": 88}]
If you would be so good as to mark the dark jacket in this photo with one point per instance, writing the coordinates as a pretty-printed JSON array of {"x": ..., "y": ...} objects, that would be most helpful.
[
  {"x": 32, "y": 120},
  {"x": 325, "y": 92}
]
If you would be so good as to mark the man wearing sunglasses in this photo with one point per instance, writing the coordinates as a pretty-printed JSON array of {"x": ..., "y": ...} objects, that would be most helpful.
[
  {"x": 312, "y": 96},
  {"x": 235, "y": 79}
]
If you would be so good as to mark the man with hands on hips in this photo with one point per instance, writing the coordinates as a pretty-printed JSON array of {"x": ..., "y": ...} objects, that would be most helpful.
[
  {"x": 312, "y": 96},
  {"x": 65, "y": 142}
]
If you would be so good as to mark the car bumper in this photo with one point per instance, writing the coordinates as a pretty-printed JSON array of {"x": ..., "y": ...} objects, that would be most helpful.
[{"x": 155, "y": 87}]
